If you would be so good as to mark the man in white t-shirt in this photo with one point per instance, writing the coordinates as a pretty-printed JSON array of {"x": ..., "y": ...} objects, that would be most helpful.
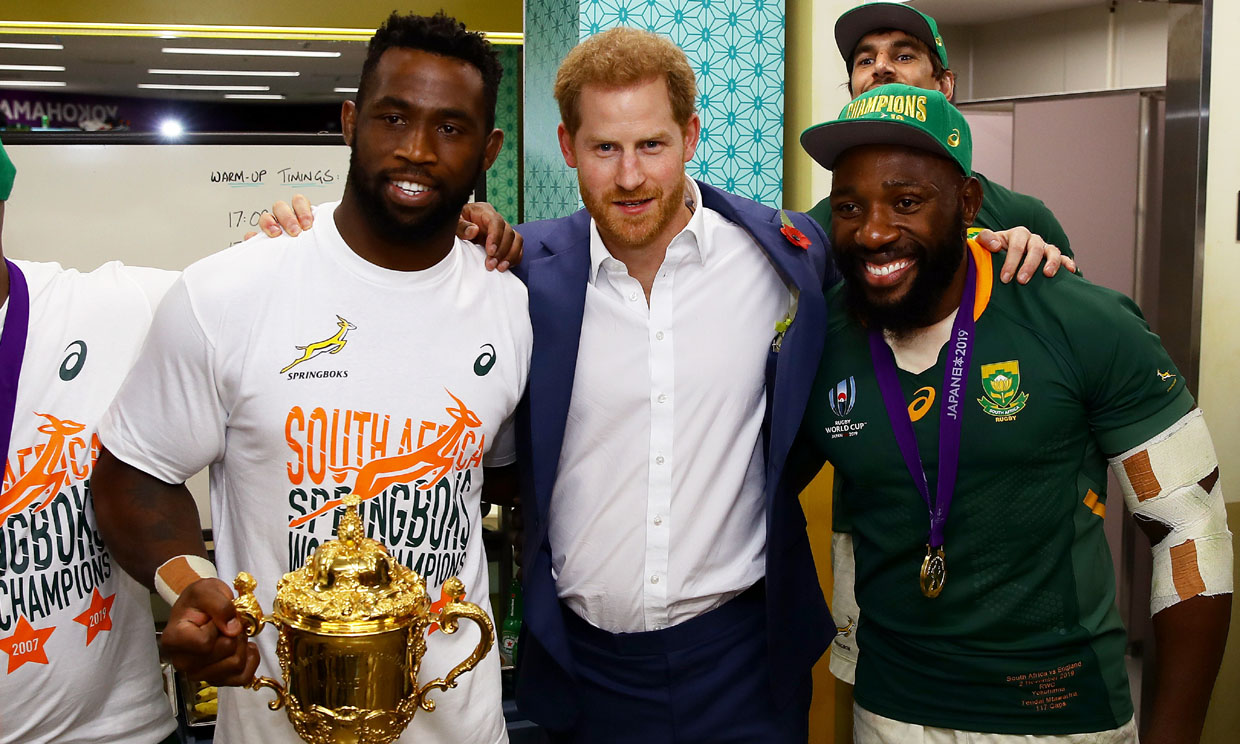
[
  {"x": 69, "y": 616},
  {"x": 372, "y": 353}
]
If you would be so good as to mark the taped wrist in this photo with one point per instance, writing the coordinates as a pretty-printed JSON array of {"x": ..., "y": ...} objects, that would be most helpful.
[
  {"x": 176, "y": 574},
  {"x": 844, "y": 608},
  {"x": 1172, "y": 480}
]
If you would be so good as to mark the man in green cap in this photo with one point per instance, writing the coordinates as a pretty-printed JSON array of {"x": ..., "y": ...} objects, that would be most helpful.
[
  {"x": 971, "y": 425},
  {"x": 77, "y": 654},
  {"x": 884, "y": 42}
]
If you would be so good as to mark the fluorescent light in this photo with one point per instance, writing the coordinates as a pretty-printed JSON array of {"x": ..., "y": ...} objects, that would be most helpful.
[
  {"x": 34, "y": 68},
  {"x": 31, "y": 84},
  {"x": 256, "y": 96},
  {"x": 160, "y": 86},
  {"x": 24, "y": 45},
  {"x": 237, "y": 73},
  {"x": 345, "y": 90},
  {"x": 248, "y": 52}
]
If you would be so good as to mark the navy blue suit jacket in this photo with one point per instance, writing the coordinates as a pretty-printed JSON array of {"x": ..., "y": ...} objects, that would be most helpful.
[{"x": 556, "y": 271}]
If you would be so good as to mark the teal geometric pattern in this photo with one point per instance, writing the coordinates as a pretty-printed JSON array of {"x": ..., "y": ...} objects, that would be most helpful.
[
  {"x": 736, "y": 49},
  {"x": 504, "y": 178},
  {"x": 551, "y": 30}
]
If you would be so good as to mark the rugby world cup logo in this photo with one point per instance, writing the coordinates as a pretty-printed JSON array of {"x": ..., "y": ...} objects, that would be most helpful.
[{"x": 843, "y": 397}]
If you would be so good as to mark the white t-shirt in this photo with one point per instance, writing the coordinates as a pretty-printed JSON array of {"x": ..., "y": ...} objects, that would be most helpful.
[
  {"x": 298, "y": 371},
  {"x": 78, "y": 661}
]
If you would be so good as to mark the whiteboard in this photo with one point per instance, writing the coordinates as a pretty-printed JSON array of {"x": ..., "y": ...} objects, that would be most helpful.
[{"x": 164, "y": 206}]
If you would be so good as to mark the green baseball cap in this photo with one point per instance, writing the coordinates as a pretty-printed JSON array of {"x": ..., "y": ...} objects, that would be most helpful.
[
  {"x": 8, "y": 172},
  {"x": 866, "y": 19},
  {"x": 894, "y": 114}
]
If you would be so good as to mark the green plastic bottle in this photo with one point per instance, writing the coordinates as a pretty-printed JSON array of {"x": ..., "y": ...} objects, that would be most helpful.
[{"x": 510, "y": 631}]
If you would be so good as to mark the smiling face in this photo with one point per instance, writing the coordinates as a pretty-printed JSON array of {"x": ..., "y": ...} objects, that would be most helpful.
[
  {"x": 630, "y": 157},
  {"x": 898, "y": 217},
  {"x": 419, "y": 142},
  {"x": 896, "y": 57}
]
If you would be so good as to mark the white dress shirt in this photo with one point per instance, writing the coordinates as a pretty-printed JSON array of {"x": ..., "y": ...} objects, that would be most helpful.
[{"x": 658, "y": 511}]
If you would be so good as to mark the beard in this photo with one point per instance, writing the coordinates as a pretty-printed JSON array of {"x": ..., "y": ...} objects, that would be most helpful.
[
  {"x": 936, "y": 267},
  {"x": 396, "y": 225},
  {"x": 632, "y": 232}
]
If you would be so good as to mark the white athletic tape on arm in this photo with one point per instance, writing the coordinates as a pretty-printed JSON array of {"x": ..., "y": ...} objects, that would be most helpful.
[
  {"x": 844, "y": 608},
  {"x": 176, "y": 574},
  {"x": 1165, "y": 480}
]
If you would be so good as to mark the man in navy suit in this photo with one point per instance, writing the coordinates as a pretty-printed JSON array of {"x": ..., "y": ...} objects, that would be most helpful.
[{"x": 670, "y": 591}]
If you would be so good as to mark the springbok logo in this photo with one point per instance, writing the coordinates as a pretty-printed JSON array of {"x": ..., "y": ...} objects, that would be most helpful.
[
  {"x": 1001, "y": 386},
  {"x": 421, "y": 468},
  {"x": 333, "y": 345},
  {"x": 49, "y": 473}
]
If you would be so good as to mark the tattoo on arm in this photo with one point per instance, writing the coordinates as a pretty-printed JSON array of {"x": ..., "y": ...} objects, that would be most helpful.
[{"x": 143, "y": 520}]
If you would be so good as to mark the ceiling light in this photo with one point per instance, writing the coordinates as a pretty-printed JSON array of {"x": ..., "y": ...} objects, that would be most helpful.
[
  {"x": 161, "y": 86},
  {"x": 237, "y": 73},
  {"x": 248, "y": 52},
  {"x": 171, "y": 128},
  {"x": 25, "y": 45},
  {"x": 31, "y": 84},
  {"x": 256, "y": 96},
  {"x": 34, "y": 68},
  {"x": 345, "y": 90}
]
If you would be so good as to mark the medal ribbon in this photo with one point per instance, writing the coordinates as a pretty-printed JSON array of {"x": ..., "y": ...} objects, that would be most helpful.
[
  {"x": 955, "y": 383},
  {"x": 12, "y": 349}
]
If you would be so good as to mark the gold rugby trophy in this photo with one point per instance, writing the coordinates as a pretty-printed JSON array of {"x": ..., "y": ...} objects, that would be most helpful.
[{"x": 352, "y": 635}]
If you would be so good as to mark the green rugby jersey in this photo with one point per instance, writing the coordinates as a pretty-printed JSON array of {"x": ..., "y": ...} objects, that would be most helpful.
[
  {"x": 1025, "y": 638},
  {"x": 1002, "y": 209}
]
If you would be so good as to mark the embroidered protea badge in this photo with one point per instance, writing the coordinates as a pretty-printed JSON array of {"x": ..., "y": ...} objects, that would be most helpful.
[{"x": 794, "y": 236}]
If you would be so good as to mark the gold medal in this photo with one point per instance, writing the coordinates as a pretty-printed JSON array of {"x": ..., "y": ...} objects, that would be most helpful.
[{"x": 933, "y": 572}]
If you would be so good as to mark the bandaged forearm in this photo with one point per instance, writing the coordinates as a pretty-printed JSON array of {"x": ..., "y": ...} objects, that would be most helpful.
[
  {"x": 176, "y": 574},
  {"x": 844, "y": 608},
  {"x": 1172, "y": 480}
]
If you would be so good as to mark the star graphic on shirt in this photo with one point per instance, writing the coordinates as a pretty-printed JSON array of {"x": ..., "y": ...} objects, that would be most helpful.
[
  {"x": 435, "y": 608},
  {"x": 98, "y": 617},
  {"x": 26, "y": 645}
]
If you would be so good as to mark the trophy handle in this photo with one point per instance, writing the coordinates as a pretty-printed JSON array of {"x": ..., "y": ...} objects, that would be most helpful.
[
  {"x": 248, "y": 609},
  {"x": 260, "y": 682},
  {"x": 251, "y": 615},
  {"x": 456, "y": 609}
]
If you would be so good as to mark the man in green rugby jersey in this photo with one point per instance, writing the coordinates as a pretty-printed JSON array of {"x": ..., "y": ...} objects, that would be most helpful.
[
  {"x": 884, "y": 43},
  {"x": 971, "y": 425}
]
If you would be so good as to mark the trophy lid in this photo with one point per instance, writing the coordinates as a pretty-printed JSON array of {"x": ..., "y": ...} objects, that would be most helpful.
[{"x": 351, "y": 585}]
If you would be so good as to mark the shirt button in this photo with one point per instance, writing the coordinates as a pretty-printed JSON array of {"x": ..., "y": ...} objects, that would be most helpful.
[
  {"x": 659, "y": 336},
  {"x": 659, "y": 460},
  {"x": 633, "y": 296},
  {"x": 658, "y": 521},
  {"x": 654, "y": 579},
  {"x": 662, "y": 397}
]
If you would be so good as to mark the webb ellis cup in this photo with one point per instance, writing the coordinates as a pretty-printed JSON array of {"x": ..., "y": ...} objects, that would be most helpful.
[{"x": 352, "y": 635}]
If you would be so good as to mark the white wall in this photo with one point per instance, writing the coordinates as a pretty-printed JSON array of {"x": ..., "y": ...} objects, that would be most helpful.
[
  {"x": 1219, "y": 394},
  {"x": 1086, "y": 49},
  {"x": 815, "y": 92}
]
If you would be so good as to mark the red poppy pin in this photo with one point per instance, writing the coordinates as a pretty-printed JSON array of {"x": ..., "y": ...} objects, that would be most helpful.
[{"x": 794, "y": 236}]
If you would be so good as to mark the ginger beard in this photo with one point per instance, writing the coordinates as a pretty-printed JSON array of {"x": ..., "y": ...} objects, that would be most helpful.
[{"x": 632, "y": 231}]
